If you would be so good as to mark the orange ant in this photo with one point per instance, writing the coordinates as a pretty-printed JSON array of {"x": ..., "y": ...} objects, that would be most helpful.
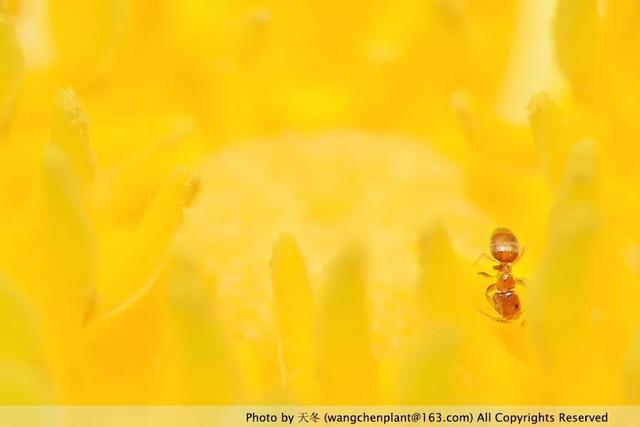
[{"x": 505, "y": 250}]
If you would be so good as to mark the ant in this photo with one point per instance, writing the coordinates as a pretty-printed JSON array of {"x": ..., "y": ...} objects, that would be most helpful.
[{"x": 505, "y": 250}]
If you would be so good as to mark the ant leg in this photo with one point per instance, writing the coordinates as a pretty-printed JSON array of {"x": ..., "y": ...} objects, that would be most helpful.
[
  {"x": 489, "y": 293},
  {"x": 495, "y": 318},
  {"x": 485, "y": 274},
  {"x": 483, "y": 255},
  {"x": 521, "y": 282}
]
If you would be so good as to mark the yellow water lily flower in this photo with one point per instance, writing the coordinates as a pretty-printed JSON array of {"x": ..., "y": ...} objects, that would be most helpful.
[{"x": 231, "y": 203}]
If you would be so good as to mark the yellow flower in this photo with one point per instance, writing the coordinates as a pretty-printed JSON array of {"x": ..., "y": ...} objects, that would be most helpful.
[{"x": 282, "y": 204}]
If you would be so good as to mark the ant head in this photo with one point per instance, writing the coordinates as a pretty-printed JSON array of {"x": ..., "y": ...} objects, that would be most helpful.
[{"x": 504, "y": 245}]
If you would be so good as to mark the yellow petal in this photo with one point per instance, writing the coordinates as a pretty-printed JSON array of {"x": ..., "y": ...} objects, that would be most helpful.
[
  {"x": 10, "y": 68},
  {"x": 22, "y": 375},
  {"x": 347, "y": 365},
  {"x": 441, "y": 281},
  {"x": 207, "y": 374},
  {"x": 21, "y": 336},
  {"x": 433, "y": 374},
  {"x": 551, "y": 134},
  {"x": 118, "y": 359},
  {"x": 134, "y": 265},
  {"x": 22, "y": 385},
  {"x": 122, "y": 196},
  {"x": 576, "y": 32},
  {"x": 87, "y": 36},
  {"x": 573, "y": 223},
  {"x": 632, "y": 372},
  {"x": 70, "y": 132},
  {"x": 69, "y": 266},
  {"x": 294, "y": 313},
  {"x": 564, "y": 315}
]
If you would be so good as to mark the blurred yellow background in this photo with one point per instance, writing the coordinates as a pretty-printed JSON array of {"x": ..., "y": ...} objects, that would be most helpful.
[{"x": 279, "y": 202}]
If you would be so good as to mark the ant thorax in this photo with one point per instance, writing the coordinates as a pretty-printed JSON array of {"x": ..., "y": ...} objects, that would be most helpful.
[
  {"x": 503, "y": 266},
  {"x": 506, "y": 281}
]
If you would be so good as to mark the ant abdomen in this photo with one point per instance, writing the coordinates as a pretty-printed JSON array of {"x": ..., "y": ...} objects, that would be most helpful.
[{"x": 507, "y": 304}]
